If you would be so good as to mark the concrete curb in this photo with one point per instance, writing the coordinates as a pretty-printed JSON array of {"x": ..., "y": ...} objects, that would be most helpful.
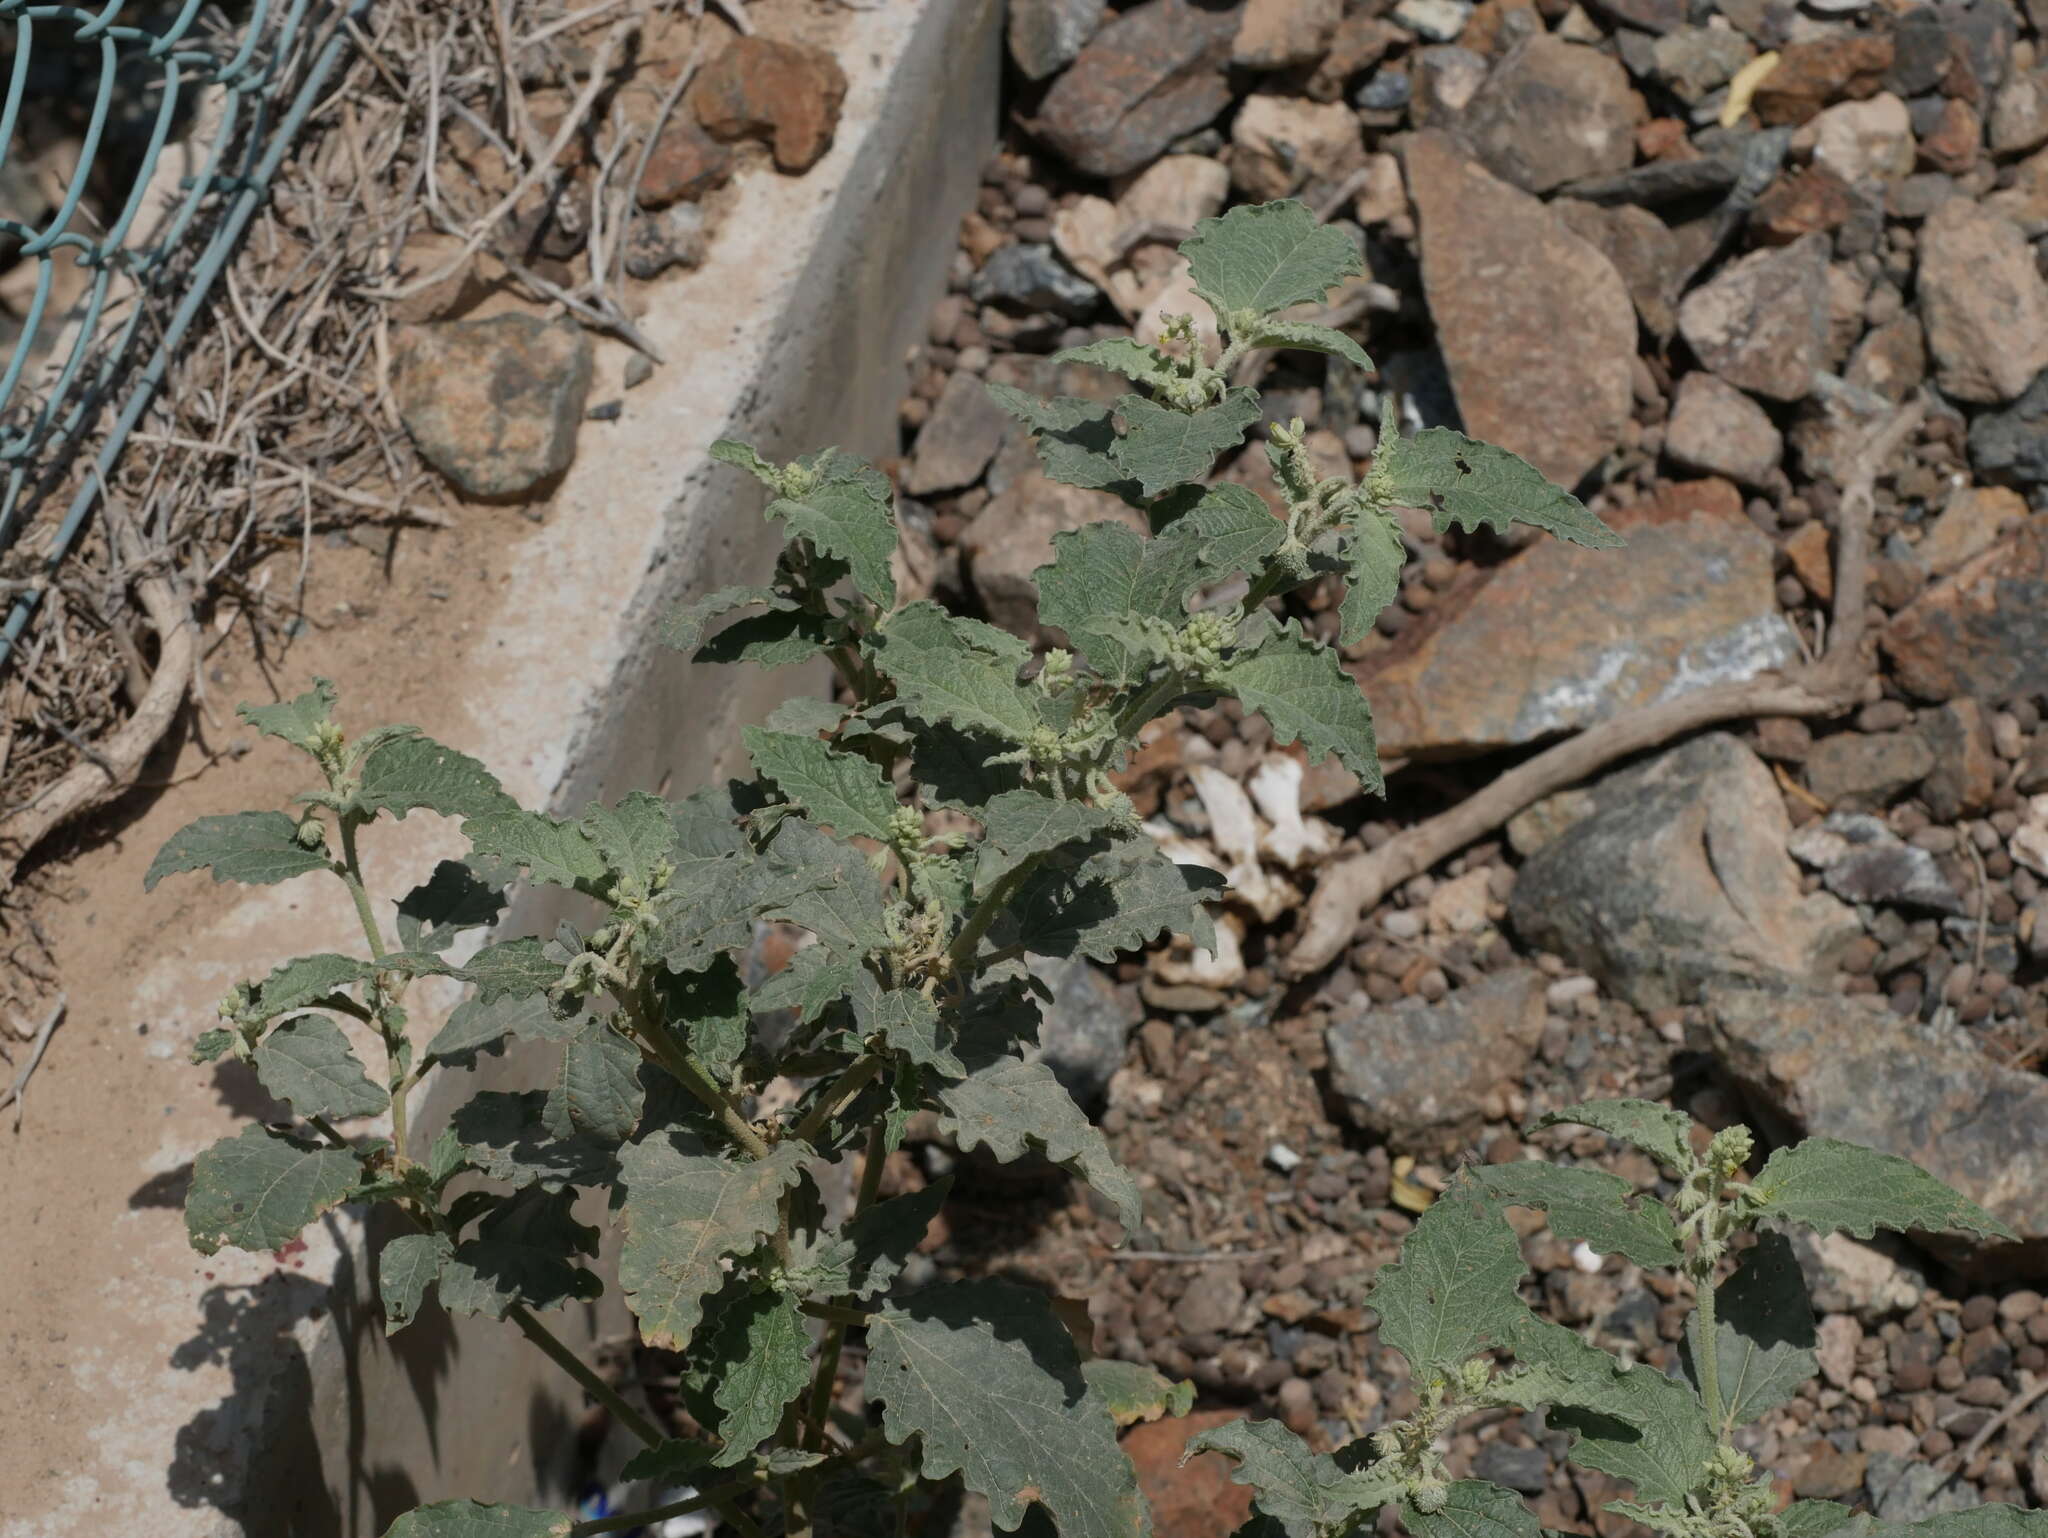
[{"x": 247, "y": 1395}]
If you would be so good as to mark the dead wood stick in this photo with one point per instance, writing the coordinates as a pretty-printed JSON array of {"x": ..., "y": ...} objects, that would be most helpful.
[
  {"x": 119, "y": 756},
  {"x": 1827, "y": 687},
  {"x": 16, "y": 1094}
]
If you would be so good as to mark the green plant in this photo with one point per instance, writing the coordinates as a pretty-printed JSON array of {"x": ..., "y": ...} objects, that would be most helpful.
[
  {"x": 915, "y": 995},
  {"x": 1451, "y": 1307}
]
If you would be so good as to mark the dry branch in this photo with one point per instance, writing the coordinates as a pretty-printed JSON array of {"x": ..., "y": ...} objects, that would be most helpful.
[{"x": 1829, "y": 686}]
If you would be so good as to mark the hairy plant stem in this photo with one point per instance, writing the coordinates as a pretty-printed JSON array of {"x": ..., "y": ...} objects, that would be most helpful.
[
  {"x": 960, "y": 954},
  {"x": 1702, "y": 1263},
  {"x": 834, "y": 1314},
  {"x": 819, "y": 1406},
  {"x": 834, "y": 1100},
  {"x": 689, "y": 1071},
  {"x": 593, "y": 1385},
  {"x": 351, "y": 872}
]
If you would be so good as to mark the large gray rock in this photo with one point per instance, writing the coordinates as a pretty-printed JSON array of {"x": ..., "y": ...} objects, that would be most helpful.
[
  {"x": 1082, "y": 1032},
  {"x": 1675, "y": 877},
  {"x": 494, "y": 404},
  {"x": 1553, "y": 112},
  {"x": 1418, "y": 1074},
  {"x": 1822, "y": 1065},
  {"x": 1502, "y": 273},
  {"x": 1984, "y": 302},
  {"x": 1045, "y": 35},
  {"x": 1762, "y": 322},
  {"x": 1151, "y": 75}
]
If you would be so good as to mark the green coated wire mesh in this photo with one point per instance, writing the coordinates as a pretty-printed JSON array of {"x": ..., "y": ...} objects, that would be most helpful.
[{"x": 170, "y": 120}]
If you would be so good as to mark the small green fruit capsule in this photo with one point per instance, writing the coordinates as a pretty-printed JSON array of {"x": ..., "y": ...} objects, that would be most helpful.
[{"x": 1730, "y": 1149}]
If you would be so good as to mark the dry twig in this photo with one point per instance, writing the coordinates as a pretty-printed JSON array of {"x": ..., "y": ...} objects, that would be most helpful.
[
  {"x": 1827, "y": 687},
  {"x": 16, "y": 1094}
]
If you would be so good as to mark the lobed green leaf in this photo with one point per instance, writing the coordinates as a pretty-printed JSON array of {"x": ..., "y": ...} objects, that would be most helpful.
[
  {"x": 758, "y": 1355},
  {"x": 837, "y": 789},
  {"x": 1462, "y": 481},
  {"x": 1453, "y": 1292},
  {"x": 1662, "y": 1133},
  {"x": 1305, "y": 1492},
  {"x": 406, "y": 1268},
  {"x": 479, "y": 1519},
  {"x": 956, "y": 672},
  {"x": 869, "y": 1253},
  {"x": 1763, "y": 1330},
  {"x": 1163, "y": 446},
  {"x": 1011, "y": 1108},
  {"x": 1473, "y": 1508},
  {"x": 986, "y": 1378},
  {"x": 1304, "y": 336},
  {"x": 1825, "y": 1184},
  {"x": 415, "y": 773},
  {"x": 1102, "y": 902},
  {"x": 309, "y": 1062},
  {"x": 1076, "y": 440},
  {"x": 253, "y": 848},
  {"x": 453, "y": 899},
  {"x": 1299, "y": 685},
  {"x": 256, "y": 1190},
  {"x": 1592, "y": 1205},
  {"x": 522, "y": 1255},
  {"x": 849, "y": 514},
  {"x": 297, "y": 721},
  {"x": 1264, "y": 257},
  {"x": 686, "y": 1208},
  {"x": 1373, "y": 558}
]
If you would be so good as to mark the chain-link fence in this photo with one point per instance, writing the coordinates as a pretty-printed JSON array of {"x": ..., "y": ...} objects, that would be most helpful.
[{"x": 136, "y": 142}]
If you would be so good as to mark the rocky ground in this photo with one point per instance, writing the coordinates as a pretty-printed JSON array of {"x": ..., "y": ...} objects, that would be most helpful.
[{"x": 1682, "y": 259}]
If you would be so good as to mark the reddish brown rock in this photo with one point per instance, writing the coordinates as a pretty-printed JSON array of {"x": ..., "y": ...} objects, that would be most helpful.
[
  {"x": 1553, "y": 112},
  {"x": 1197, "y": 1500},
  {"x": 1557, "y": 638},
  {"x": 1505, "y": 278},
  {"x": 1812, "y": 74},
  {"x": 1974, "y": 520},
  {"x": 1984, "y": 303},
  {"x": 1891, "y": 360},
  {"x": 1717, "y": 430},
  {"x": 686, "y": 163},
  {"x": 1762, "y": 322},
  {"x": 1808, "y": 549},
  {"x": 1953, "y": 145},
  {"x": 1654, "y": 259},
  {"x": 1965, "y": 774},
  {"x": 1982, "y": 633},
  {"x": 1806, "y": 202},
  {"x": 786, "y": 93},
  {"x": 1153, "y": 74}
]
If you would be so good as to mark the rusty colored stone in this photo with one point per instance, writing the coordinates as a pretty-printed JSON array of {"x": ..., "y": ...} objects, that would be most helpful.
[
  {"x": 786, "y": 93},
  {"x": 686, "y": 163},
  {"x": 1557, "y": 638},
  {"x": 1811, "y": 75},
  {"x": 1984, "y": 303},
  {"x": 1762, "y": 322},
  {"x": 1956, "y": 139},
  {"x": 1812, "y": 201},
  {"x": 1195, "y": 1501},
  {"x": 1982, "y": 632},
  {"x": 1503, "y": 274}
]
